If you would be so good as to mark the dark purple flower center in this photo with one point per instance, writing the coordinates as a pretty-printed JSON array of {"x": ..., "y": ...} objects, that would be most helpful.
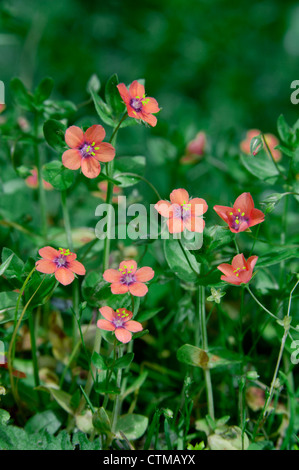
[
  {"x": 120, "y": 319},
  {"x": 237, "y": 218},
  {"x": 61, "y": 261},
  {"x": 128, "y": 278},
  {"x": 182, "y": 211},
  {"x": 136, "y": 104},
  {"x": 87, "y": 150}
]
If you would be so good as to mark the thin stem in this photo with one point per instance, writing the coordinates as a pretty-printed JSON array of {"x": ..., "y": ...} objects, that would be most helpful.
[
  {"x": 204, "y": 345},
  {"x": 67, "y": 224},
  {"x": 272, "y": 158},
  {"x": 236, "y": 244},
  {"x": 41, "y": 189},
  {"x": 254, "y": 240},
  {"x": 33, "y": 348},
  {"x": 134, "y": 175},
  {"x": 117, "y": 403}
]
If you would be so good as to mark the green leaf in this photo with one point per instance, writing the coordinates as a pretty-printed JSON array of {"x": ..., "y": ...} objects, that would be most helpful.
[
  {"x": 181, "y": 261},
  {"x": 93, "y": 84},
  {"x": 132, "y": 425},
  {"x": 284, "y": 129},
  {"x": 197, "y": 357},
  {"x": 276, "y": 256},
  {"x": 58, "y": 175},
  {"x": 59, "y": 109},
  {"x": 16, "y": 265},
  {"x": 104, "y": 388},
  {"x": 136, "y": 384},
  {"x": 4, "y": 416},
  {"x": 102, "y": 109},
  {"x": 134, "y": 165},
  {"x": 8, "y": 302},
  {"x": 22, "y": 97},
  {"x": 147, "y": 314},
  {"x": 6, "y": 263},
  {"x": 63, "y": 398},
  {"x": 261, "y": 166},
  {"x": 54, "y": 132},
  {"x": 46, "y": 420},
  {"x": 124, "y": 361},
  {"x": 101, "y": 421},
  {"x": 43, "y": 90},
  {"x": 99, "y": 361},
  {"x": 113, "y": 98}
]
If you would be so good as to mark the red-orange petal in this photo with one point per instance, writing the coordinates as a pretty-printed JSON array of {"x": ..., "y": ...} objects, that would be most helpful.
[
  {"x": 136, "y": 89},
  {"x": 77, "y": 267},
  {"x": 95, "y": 133},
  {"x": 144, "y": 274},
  {"x": 105, "y": 153},
  {"x": 149, "y": 118},
  {"x": 164, "y": 208},
  {"x": 256, "y": 217},
  {"x": 223, "y": 212},
  {"x": 48, "y": 252},
  {"x": 133, "y": 326},
  {"x": 239, "y": 261},
  {"x": 198, "y": 206},
  {"x": 138, "y": 289},
  {"x": 245, "y": 203},
  {"x": 74, "y": 136},
  {"x": 71, "y": 159},
  {"x": 105, "y": 325},
  {"x": 123, "y": 335},
  {"x": 175, "y": 225},
  {"x": 107, "y": 313},
  {"x": 91, "y": 168},
  {"x": 112, "y": 275},
  {"x": 119, "y": 288},
  {"x": 151, "y": 106},
  {"x": 64, "y": 276},
  {"x": 194, "y": 224},
  {"x": 226, "y": 269},
  {"x": 129, "y": 264},
  {"x": 124, "y": 93},
  {"x": 179, "y": 196},
  {"x": 45, "y": 266}
]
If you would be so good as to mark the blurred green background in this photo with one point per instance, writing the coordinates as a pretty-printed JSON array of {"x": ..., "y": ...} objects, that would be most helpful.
[{"x": 217, "y": 64}]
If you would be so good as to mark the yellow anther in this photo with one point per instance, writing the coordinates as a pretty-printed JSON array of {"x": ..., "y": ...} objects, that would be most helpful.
[
  {"x": 237, "y": 274},
  {"x": 231, "y": 213},
  {"x": 237, "y": 222},
  {"x": 243, "y": 213},
  {"x": 97, "y": 148},
  {"x": 239, "y": 210},
  {"x": 93, "y": 144}
]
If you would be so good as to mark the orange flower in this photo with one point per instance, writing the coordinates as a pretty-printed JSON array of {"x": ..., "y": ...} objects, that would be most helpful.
[
  {"x": 270, "y": 139},
  {"x": 240, "y": 271},
  {"x": 195, "y": 149},
  {"x": 87, "y": 150},
  {"x": 138, "y": 105},
  {"x": 103, "y": 187},
  {"x": 242, "y": 215},
  {"x": 128, "y": 278},
  {"x": 60, "y": 262},
  {"x": 120, "y": 322},
  {"x": 32, "y": 181},
  {"x": 182, "y": 212}
]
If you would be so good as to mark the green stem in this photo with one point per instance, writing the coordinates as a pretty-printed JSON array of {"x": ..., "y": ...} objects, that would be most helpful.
[
  {"x": 41, "y": 189},
  {"x": 67, "y": 224},
  {"x": 236, "y": 244},
  {"x": 255, "y": 239},
  {"x": 33, "y": 348},
  {"x": 11, "y": 349},
  {"x": 204, "y": 345},
  {"x": 117, "y": 403},
  {"x": 142, "y": 179},
  {"x": 272, "y": 158}
]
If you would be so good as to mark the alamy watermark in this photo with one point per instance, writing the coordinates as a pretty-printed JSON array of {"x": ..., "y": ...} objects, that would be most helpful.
[
  {"x": 295, "y": 94},
  {"x": 2, "y": 92},
  {"x": 137, "y": 222}
]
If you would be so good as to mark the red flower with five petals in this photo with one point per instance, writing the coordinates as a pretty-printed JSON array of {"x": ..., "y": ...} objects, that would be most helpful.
[
  {"x": 138, "y": 105},
  {"x": 242, "y": 215},
  {"x": 87, "y": 150},
  {"x": 60, "y": 262},
  {"x": 128, "y": 278},
  {"x": 240, "y": 271},
  {"x": 182, "y": 212},
  {"x": 120, "y": 322}
]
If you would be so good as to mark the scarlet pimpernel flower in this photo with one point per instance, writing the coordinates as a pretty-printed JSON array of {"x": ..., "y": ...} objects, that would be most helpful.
[
  {"x": 127, "y": 278},
  {"x": 139, "y": 106},
  {"x": 32, "y": 181},
  {"x": 270, "y": 139},
  {"x": 242, "y": 215},
  {"x": 62, "y": 263},
  {"x": 182, "y": 212},
  {"x": 119, "y": 321},
  {"x": 240, "y": 271},
  {"x": 195, "y": 149},
  {"x": 87, "y": 150}
]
